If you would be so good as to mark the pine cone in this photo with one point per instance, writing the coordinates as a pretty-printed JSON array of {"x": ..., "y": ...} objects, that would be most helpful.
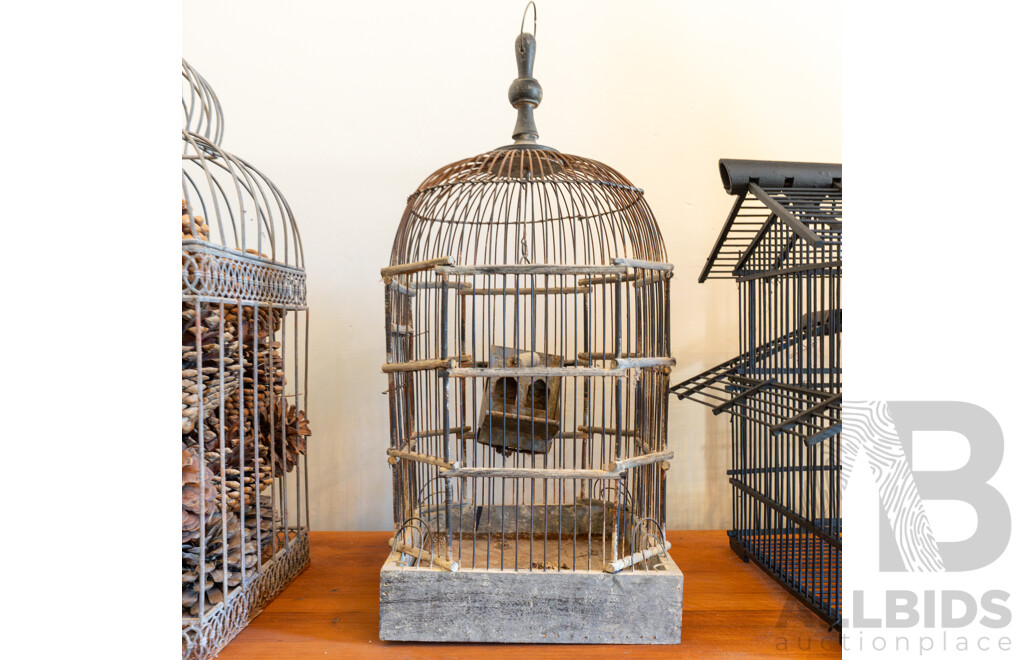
[
  {"x": 242, "y": 551},
  {"x": 210, "y": 339},
  {"x": 219, "y": 574},
  {"x": 202, "y": 230},
  {"x": 194, "y": 493},
  {"x": 296, "y": 432},
  {"x": 239, "y": 461}
]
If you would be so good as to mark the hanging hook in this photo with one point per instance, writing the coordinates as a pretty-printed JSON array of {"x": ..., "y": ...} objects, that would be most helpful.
[
  {"x": 524, "y": 248},
  {"x": 522, "y": 24}
]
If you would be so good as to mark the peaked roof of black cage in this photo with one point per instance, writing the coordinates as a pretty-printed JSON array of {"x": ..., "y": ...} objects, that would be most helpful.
[{"x": 787, "y": 218}]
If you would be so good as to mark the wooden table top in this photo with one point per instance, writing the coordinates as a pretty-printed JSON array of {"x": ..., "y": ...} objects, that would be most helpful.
[{"x": 730, "y": 609}]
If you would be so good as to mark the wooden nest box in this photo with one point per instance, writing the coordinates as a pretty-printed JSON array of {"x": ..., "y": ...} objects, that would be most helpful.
[{"x": 520, "y": 414}]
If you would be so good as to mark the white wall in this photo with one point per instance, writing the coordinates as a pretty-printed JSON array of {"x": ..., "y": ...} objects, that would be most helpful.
[{"x": 348, "y": 106}]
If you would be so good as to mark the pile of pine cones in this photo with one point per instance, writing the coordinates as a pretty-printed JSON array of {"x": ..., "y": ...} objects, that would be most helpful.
[
  {"x": 242, "y": 383},
  {"x": 202, "y": 229},
  {"x": 215, "y": 346},
  {"x": 223, "y": 570}
]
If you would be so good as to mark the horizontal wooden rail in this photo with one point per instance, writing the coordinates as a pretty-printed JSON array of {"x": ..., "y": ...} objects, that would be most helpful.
[
  {"x": 538, "y": 372},
  {"x": 394, "y": 285},
  {"x": 531, "y": 269},
  {"x": 413, "y": 288},
  {"x": 524, "y": 291},
  {"x": 400, "y": 269},
  {"x": 529, "y": 473}
]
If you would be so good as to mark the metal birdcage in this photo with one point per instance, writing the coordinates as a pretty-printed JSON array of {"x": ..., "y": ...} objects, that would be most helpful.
[
  {"x": 782, "y": 243},
  {"x": 245, "y": 514},
  {"x": 527, "y": 336}
]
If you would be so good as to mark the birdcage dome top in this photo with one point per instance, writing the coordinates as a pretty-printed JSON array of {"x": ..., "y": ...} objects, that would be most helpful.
[{"x": 528, "y": 204}]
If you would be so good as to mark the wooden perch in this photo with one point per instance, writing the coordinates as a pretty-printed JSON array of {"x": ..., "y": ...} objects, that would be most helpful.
[
  {"x": 424, "y": 365},
  {"x": 422, "y": 555},
  {"x": 637, "y": 461},
  {"x": 432, "y": 433},
  {"x": 603, "y": 430},
  {"x": 626, "y": 562},
  {"x": 643, "y": 362},
  {"x": 646, "y": 265},
  {"x": 423, "y": 458}
]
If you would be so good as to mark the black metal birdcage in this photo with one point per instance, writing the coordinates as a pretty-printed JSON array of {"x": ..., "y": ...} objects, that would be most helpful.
[{"x": 782, "y": 244}]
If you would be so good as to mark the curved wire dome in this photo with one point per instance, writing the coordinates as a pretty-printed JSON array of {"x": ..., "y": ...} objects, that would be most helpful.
[
  {"x": 527, "y": 205},
  {"x": 243, "y": 208},
  {"x": 200, "y": 106}
]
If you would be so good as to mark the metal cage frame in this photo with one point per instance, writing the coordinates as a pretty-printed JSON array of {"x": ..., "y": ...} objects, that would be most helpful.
[
  {"x": 245, "y": 328},
  {"x": 782, "y": 244}
]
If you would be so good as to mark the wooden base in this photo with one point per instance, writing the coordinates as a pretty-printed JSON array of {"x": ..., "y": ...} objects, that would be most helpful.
[{"x": 544, "y": 607}]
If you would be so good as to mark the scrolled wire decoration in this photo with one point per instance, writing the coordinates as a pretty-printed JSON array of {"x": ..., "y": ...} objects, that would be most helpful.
[
  {"x": 405, "y": 544},
  {"x": 649, "y": 533}
]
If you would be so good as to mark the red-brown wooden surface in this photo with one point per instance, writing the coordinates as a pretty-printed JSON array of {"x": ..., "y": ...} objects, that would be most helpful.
[{"x": 730, "y": 609}]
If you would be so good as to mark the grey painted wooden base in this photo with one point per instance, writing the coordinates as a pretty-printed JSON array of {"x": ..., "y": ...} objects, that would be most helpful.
[{"x": 554, "y": 607}]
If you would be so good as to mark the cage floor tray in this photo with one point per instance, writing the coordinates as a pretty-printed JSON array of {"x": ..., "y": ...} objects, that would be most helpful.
[
  {"x": 524, "y": 606},
  {"x": 477, "y": 552}
]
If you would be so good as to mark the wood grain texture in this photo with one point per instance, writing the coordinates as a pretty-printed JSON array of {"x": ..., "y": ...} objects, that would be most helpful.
[
  {"x": 558, "y": 607},
  {"x": 730, "y": 609}
]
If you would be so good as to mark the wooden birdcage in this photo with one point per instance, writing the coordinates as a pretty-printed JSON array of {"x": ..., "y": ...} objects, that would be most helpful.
[{"x": 527, "y": 334}]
